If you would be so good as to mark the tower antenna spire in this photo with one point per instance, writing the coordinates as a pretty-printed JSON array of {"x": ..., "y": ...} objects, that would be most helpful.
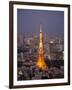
[{"x": 40, "y": 28}]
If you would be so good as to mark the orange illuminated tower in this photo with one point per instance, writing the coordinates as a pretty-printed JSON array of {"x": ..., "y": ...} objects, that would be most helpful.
[{"x": 40, "y": 62}]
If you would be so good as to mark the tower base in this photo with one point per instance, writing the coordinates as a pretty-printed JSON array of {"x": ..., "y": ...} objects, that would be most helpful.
[{"x": 41, "y": 63}]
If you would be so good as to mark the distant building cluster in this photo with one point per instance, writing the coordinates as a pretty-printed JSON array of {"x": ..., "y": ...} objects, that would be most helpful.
[
  {"x": 53, "y": 47},
  {"x": 27, "y": 54}
]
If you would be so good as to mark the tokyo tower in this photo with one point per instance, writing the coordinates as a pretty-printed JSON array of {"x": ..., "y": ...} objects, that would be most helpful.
[{"x": 40, "y": 62}]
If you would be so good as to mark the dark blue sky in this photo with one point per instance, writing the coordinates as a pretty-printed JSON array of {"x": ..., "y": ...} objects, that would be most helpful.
[{"x": 28, "y": 22}]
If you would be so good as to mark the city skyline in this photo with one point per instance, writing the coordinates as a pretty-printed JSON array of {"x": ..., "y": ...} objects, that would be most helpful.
[
  {"x": 36, "y": 62},
  {"x": 29, "y": 22},
  {"x": 40, "y": 44}
]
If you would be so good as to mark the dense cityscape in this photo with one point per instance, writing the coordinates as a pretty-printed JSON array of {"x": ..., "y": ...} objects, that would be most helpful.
[{"x": 27, "y": 55}]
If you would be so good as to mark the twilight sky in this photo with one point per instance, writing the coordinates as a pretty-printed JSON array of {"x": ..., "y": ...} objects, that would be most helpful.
[{"x": 28, "y": 22}]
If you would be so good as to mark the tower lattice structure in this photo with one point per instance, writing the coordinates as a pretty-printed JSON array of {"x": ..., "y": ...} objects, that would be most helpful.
[{"x": 40, "y": 62}]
